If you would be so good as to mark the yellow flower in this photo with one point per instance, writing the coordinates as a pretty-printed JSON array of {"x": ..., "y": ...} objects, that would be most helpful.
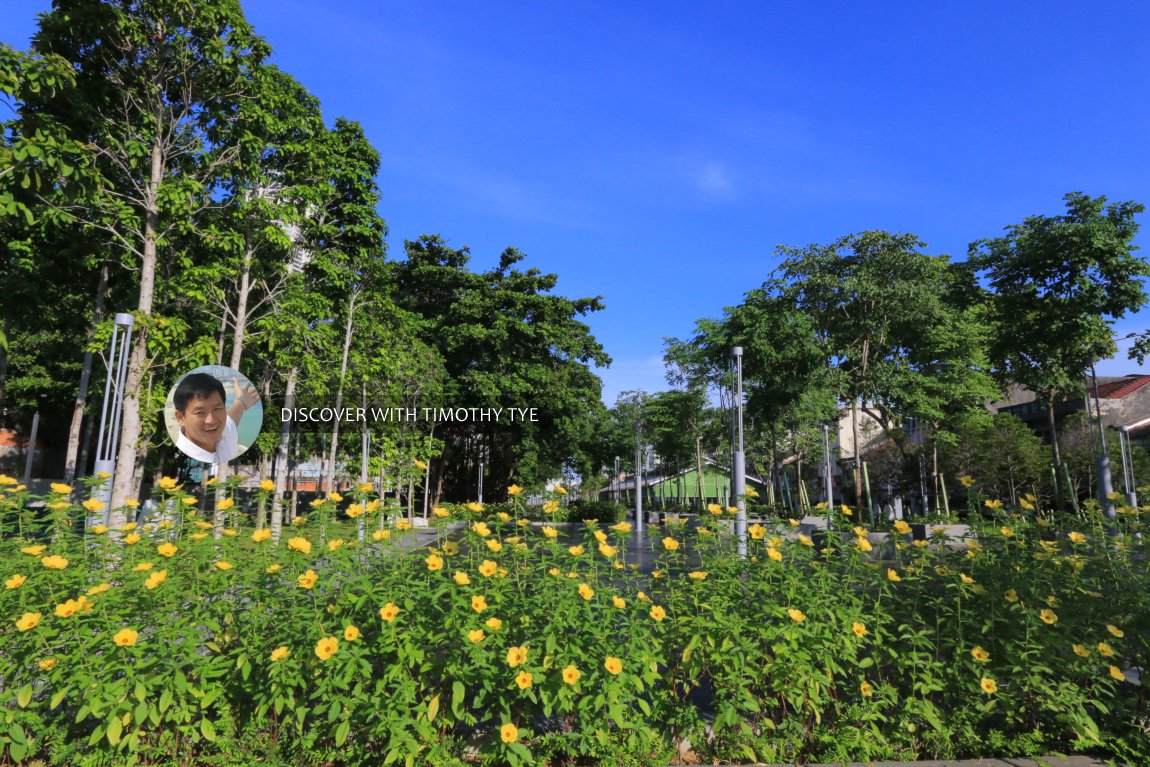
[
  {"x": 6, "y": 481},
  {"x": 478, "y": 603},
  {"x": 222, "y": 565},
  {"x": 302, "y": 545},
  {"x": 487, "y": 568},
  {"x": 1115, "y": 631},
  {"x": 493, "y": 623},
  {"x": 576, "y": 551},
  {"x": 551, "y": 507},
  {"x": 481, "y": 529},
  {"x": 476, "y": 635},
  {"x": 559, "y": 489},
  {"x": 261, "y": 535},
  {"x": 1011, "y": 595},
  {"x": 859, "y": 629},
  {"x": 143, "y": 567},
  {"x": 508, "y": 733},
  {"x": 607, "y": 550},
  {"x": 354, "y": 510},
  {"x": 476, "y": 507},
  {"x": 1026, "y": 504},
  {"x": 434, "y": 562},
  {"x": 1116, "y": 674},
  {"x": 333, "y": 496},
  {"x": 1006, "y": 532},
  {"x": 202, "y": 524},
  {"x": 643, "y": 597},
  {"x": 900, "y": 527},
  {"x": 34, "y": 551},
  {"x": 1076, "y": 537},
  {"x": 381, "y": 535},
  {"x": 980, "y": 655},
  {"x": 54, "y": 562},
  {"x": 267, "y": 485},
  {"x": 1105, "y": 650},
  {"x": 516, "y": 656},
  {"x": 299, "y": 520},
  {"x": 805, "y": 540},
  {"x": 995, "y": 504},
  {"x": 966, "y": 578},
  {"x": 775, "y": 554},
  {"x": 461, "y": 578},
  {"x": 28, "y": 621},
  {"x": 796, "y": 615},
  {"x": 698, "y": 575},
  {"x": 571, "y": 674},
  {"x": 1081, "y": 650},
  {"x": 494, "y": 546},
  {"x": 388, "y": 612},
  {"x": 846, "y": 510},
  {"x": 893, "y": 576},
  {"x": 621, "y": 527},
  {"x": 863, "y": 544},
  {"x": 280, "y": 653},
  {"x": 514, "y": 490},
  {"x": 757, "y": 531},
  {"x": 440, "y": 512},
  {"x": 419, "y": 464},
  {"x": 93, "y": 504},
  {"x": 131, "y": 538},
  {"x": 658, "y": 613},
  {"x": 613, "y": 665},
  {"x": 126, "y": 637},
  {"x": 155, "y": 579},
  {"x": 326, "y": 647},
  {"x": 188, "y": 500},
  {"x": 966, "y": 480},
  {"x": 988, "y": 686},
  {"x": 523, "y": 679},
  {"x": 619, "y": 602},
  {"x": 198, "y": 536},
  {"x": 1048, "y": 616},
  {"x": 16, "y": 581},
  {"x": 307, "y": 580},
  {"x": 47, "y": 664},
  {"x": 351, "y": 633},
  {"x": 586, "y": 591},
  {"x": 167, "y": 549},
  {"x": 72, "y": 606},
  {"x": 225, "y": 504},
  {"x": 670, "y": 544},
  {"x": 60, "y": 489},
  {"x": 274, "y": 568}
]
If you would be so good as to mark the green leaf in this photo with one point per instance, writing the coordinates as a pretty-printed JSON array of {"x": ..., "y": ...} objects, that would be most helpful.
[
  {"x": 432, "y": 708},
  {"x": 115, "y": 729},
  {"x": 208, "y": 730},
  {"x": 24, "y": 696},
  {"x": 341, "y": 732}
]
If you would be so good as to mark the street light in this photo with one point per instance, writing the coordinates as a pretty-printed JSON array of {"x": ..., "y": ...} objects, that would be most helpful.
[
  {"x": 738, "y": 459},
  {"x": 31, "y": 452},
  {"x": 108, "y": 437},
  {"x": 1102, "y": 459},
  {"x": 638, "y": 477}
]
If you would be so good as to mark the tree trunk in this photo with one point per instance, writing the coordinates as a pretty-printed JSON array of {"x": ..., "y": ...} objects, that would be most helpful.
[
  {"x": 130, "y": 424},
  {"x": 241, "y": 325},
  {"x": 857, "y": 449},
  {"x": 81, "y": 402},
  {"x": 1059, "y": 497},
  {"x": 281, "y": 463},
  {"x": 329, "y": 476}
]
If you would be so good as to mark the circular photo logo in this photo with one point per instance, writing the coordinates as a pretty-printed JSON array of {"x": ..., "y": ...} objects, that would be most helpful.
[{"x": 214, "y": 414}]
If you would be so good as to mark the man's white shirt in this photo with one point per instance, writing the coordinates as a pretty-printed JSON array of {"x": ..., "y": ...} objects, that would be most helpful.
[{"x": 226, "y": 449}]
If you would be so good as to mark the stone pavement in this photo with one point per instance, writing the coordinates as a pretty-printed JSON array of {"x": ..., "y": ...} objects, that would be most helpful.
[{"x": 1046, "y": 761}]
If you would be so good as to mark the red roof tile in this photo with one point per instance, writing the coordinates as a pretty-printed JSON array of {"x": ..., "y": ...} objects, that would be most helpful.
[{"x": 1119, "y": 389}]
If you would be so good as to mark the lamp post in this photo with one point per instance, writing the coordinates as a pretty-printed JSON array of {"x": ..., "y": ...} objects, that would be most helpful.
[
  {"x": 1102, "y": 459},
  {"x": 31, "y": 452},
  {"x": 1128, "y": 482},
  {"x": 108, "y": 437},
  {"x": 738, "y": 459},
  {"x": 827, "y": 475},
  {"x": 639, "y": 477}
]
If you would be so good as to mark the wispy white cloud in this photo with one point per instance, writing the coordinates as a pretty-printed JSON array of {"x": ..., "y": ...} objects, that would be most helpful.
[{"x": 714, "y": 180}]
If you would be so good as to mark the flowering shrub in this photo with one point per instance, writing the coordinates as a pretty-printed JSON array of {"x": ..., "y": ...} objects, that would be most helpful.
[{"x": 517, "y": 643}]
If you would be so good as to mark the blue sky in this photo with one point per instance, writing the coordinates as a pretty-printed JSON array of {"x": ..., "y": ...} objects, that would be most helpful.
[{"x": 656, "y": 153}]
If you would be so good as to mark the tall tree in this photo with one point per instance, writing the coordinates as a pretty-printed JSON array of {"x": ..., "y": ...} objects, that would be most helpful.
[
  {"x": 1056, "y": 283},
  {"x": 152, "y": 78}
]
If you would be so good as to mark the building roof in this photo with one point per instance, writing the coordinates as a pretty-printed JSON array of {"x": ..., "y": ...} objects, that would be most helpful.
[{"x": 1118, "y": 388}]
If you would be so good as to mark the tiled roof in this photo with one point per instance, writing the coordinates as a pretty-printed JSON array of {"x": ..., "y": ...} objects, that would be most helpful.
[{"x": 1123, "y": 386}]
